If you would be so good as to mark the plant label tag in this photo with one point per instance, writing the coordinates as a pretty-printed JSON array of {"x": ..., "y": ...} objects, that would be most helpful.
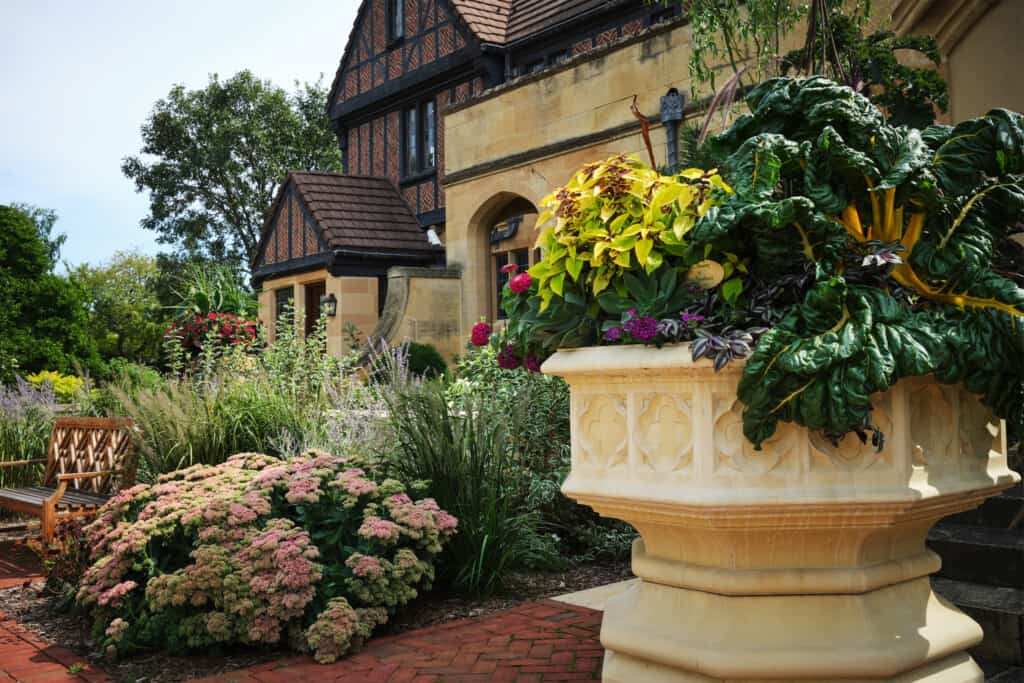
[{"x": 706, "y": 274}]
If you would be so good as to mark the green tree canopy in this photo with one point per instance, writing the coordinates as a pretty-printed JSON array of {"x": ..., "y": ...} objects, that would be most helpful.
[
  {"x": 44, "y": 319},
  {"x": 126, "y": 318},
  {"x": 212, "y": 160}
]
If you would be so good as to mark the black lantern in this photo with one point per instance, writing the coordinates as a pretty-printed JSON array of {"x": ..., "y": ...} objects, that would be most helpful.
[
  {"x": 671, "y": 115},
  {"x": 328, "y": 305}
]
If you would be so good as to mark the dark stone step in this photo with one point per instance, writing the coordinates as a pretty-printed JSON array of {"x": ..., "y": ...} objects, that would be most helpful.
[
  {"x": 997, "y": 512},
  {"x": 978, "y": 554},
  {"x": 1012, "y": 674},
  {"x": 1000, "y": 611}
]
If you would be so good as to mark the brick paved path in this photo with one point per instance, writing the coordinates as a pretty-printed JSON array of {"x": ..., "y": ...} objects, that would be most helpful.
[
  {"x": 536, "y": 642},
  {"x": 532, "y": 643}
]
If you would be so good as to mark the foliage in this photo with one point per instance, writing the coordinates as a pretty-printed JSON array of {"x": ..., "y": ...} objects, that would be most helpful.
[
  {"x": 44, "y": 220},
  {"x": 871, "y": 252},
  {"x": 65, "y": 558},
  {"x": 125, "y": 315},
  {"x": 220, "y": 329},
  {"x": 44, "y": 321},
  {"x": 311, "y": 550},
  {"x": 837, "y": 48},
  {"x": 65, "y": 387},
  {"x": 212, "y": 159},
  {"x": 747, "y": 36},
  {"x": 203, "y": 288},
  {"x": 540, "y": 451},
  {"x": 228, "y": 400},
  {"x": 27, "y": 414},
  {"x": 899, "y": 228},
  {"x": 425, "y": 360},
  {"x": 464, "y": 453},
  {"x": 613, "y": 217}
]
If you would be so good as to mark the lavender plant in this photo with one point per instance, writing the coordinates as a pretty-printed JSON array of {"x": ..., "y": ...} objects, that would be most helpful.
[{"x": 27, "y": 413}]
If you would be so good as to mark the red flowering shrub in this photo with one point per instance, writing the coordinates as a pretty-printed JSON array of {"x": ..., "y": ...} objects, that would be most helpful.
[
  {"x": 225, "y": 328},
  {"x": 258, "y": 550}
]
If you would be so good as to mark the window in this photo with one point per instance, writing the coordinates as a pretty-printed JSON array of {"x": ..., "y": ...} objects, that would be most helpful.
[
  {"x": 284, "y": 304},
  {"x": 396, "y": 19},
  {"x": 419, "y": 139}
]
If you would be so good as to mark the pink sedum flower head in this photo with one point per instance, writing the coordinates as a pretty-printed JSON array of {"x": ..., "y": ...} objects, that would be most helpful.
[
  {"x": 520, "y": 283},
  {"x": 481, "y": 334}
]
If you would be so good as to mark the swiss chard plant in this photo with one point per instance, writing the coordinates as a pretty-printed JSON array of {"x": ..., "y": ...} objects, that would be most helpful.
[{"x": 845, "y": 253}]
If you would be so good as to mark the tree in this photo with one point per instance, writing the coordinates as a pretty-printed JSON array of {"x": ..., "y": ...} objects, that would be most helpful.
[
  {"x": 213, "y": 158},
  {"x": 125, "y": 316},
  {"x": 44, "y": 220},
  {"x": 44, "y": 319}
]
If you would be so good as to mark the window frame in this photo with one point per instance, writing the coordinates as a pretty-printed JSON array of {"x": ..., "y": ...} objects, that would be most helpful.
[
  {"x": 394, "y": 13},
  {"x": 419, "y": 140}
]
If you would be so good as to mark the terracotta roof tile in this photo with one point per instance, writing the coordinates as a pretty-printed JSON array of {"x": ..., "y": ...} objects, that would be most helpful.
[
  {"x": 488, "y": 19},
  {"x": 355, "y": 212}
]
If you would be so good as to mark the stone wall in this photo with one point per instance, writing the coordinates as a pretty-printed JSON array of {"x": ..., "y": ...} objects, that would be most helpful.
[
  {"x": 423, "y": 305},
  {"x": 357, "y": 304}
]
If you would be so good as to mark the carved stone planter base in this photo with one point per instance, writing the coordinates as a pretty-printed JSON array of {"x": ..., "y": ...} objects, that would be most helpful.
[
  {"x": 804, "y": 561},
  {"x": 904, "y": 632}
]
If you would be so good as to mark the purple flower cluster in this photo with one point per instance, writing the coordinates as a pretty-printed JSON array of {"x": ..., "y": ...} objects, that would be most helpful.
[{"x": 642, "y": 328}]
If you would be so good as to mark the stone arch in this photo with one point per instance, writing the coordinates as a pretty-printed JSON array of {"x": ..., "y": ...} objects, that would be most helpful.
[{"x": 500, "y": 231}]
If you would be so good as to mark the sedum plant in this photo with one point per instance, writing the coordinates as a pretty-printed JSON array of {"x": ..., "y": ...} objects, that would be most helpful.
[
  {"x": 847, "y": 253},
  {"x": 309, "y": 551}
]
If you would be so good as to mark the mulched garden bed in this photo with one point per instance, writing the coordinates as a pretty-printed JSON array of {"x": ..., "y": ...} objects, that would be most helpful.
[{"x": 40, "y": 611}]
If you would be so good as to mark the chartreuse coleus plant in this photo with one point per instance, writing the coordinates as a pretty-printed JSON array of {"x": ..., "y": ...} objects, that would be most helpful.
[{"x": 871, "y": 252}]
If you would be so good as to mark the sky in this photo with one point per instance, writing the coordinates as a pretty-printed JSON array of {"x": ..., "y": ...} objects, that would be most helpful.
[{"x": 81, "y": 76}]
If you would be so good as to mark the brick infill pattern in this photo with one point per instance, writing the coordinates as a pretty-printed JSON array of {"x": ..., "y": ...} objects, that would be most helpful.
[{"x": 533, "y": 643}]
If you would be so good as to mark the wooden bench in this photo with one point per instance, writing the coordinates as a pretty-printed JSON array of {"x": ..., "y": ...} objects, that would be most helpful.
[{"x": 89, "y": 458}]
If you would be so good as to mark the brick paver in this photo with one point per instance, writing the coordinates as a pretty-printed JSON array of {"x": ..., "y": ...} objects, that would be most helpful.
[
  {"x": 18, "y": 564},
  {"x": 532, "y": 643}
]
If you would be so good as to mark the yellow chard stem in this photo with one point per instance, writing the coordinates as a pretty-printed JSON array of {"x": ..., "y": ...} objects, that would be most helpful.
[
  {"x": 906, "y": 276},
  {"x": 851, "y": 219},
  {"x": 914, "y": 228},
  {"x": 887, "y": 227}
]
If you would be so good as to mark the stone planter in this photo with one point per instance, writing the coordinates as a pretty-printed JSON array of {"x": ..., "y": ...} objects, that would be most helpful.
[{"x": 803, "y": 561}]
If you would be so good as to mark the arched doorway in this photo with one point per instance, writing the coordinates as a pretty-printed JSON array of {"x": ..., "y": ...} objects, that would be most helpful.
[{"x": 500, "y": 230}]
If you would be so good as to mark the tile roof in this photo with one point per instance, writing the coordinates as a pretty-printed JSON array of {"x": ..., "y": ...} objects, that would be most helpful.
[
  {"x": 488, "y": 19},
  {"x": 356, "y": 212},
  {"x": 507, "y": 21},
  {"x": 533, "y": 16}
]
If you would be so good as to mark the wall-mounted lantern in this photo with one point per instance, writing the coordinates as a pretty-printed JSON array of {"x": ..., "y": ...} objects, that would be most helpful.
[
  {"x": 671, "y": 115},
  {"x": 329, "y": 305}
]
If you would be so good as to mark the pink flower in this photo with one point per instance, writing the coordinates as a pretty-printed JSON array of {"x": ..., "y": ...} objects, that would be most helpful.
[
  {"x": 481, "y": 334},
  {"x": 509, "y": 268},
  {"x": 382, "y": 529},
  {"x": 520, "y": 283}
]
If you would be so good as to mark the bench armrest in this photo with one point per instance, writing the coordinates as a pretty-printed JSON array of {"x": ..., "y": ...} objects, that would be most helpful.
[
  {"x": 87, "y": 475},
  {"x": 63, "y": 479},
  {"x": 12, "y": 463}
]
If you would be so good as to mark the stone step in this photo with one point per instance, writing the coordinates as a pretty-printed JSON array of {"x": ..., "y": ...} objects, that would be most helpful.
[
  {"x": 978, "y": 554},
  {"x": 1012, "y": 674},
  {"x": 999, "y": 610},
  {"x": 997, "y": 512}
]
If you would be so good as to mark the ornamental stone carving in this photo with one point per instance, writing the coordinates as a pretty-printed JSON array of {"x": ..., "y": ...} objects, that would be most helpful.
[{"x": 754, "y": 563}]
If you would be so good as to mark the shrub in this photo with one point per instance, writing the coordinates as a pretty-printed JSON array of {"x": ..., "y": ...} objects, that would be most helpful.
[
  {"x": 258, "y": 551},
  {"x": 425, "y": 360},
  {"x": 65, "y": 387},
  {"x": 465, "y": 453},
  {"x": 225, "y": 329},
  {"x": 65, "y": 558},
  {"x": 27, "y": 413}
]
